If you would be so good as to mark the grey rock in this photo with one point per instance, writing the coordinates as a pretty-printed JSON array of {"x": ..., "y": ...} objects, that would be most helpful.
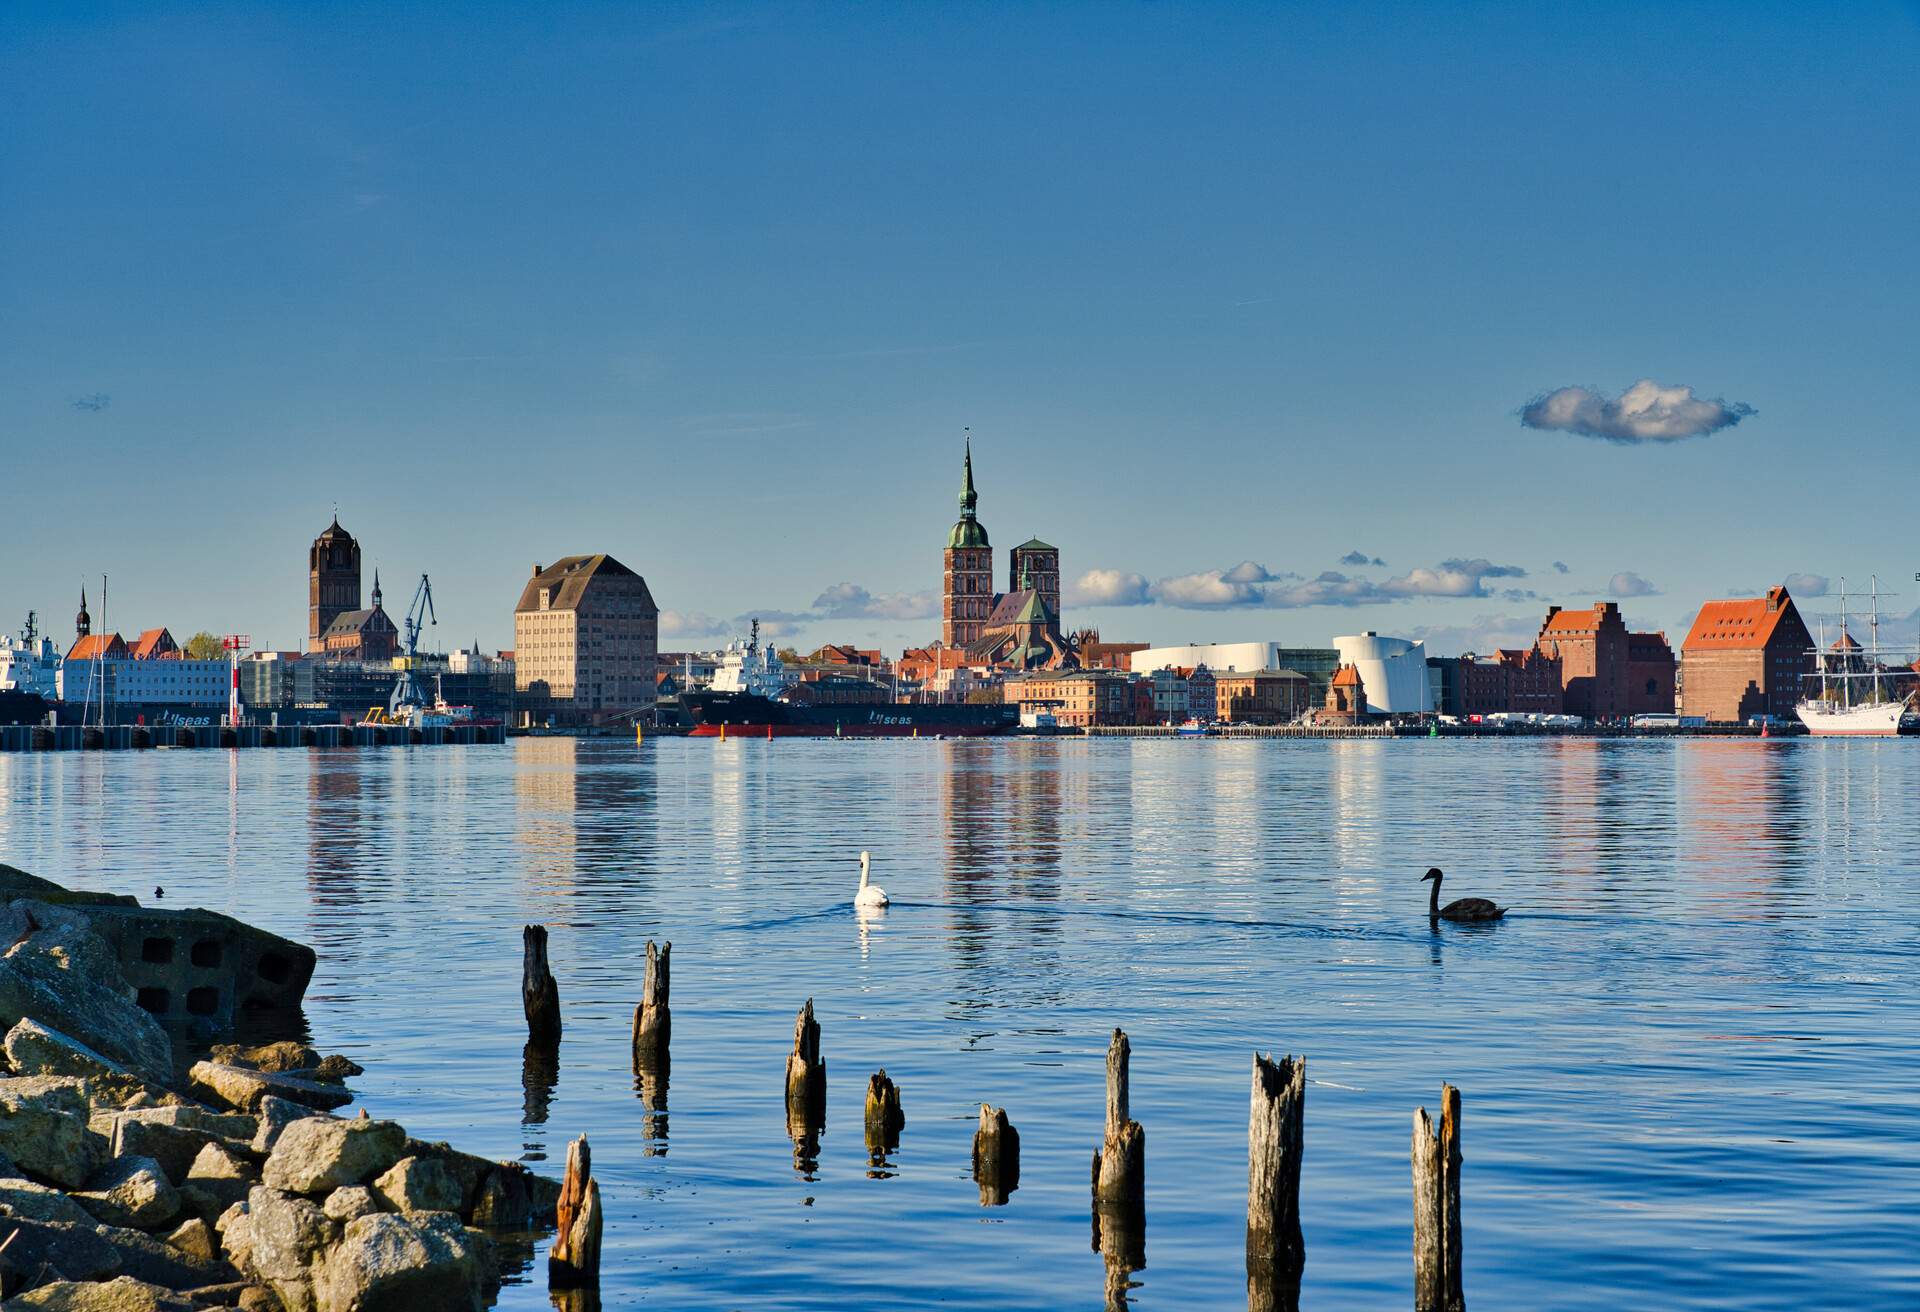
[
  {"x": 43, "y": 1128},
  {"x": 277, "y": 1237},
  {"x": 172, "y": 1136},
  {"x": 68, "y": 979},
  {"x": 276, "y": 1114},
  {"x": 343, "y": 1205},
  {"x": 224, "y": 1173},
  {"x": 195, "y": 1201},
  {"x": 195, "y": 1238},
  {"x": 34, "y": 1049},
  {"x": 425, "y": 1262},
  {"x": 121, "y": 1294},
  {"x": 243, "y": 1089},
  {"x": 502, "y": 1194},
  {"x": 130, "y": 1191},
  {"x": 77, "y": 1252},
  {"x": 418, "y": 1184},
  {"x": 320, "y": 1154},
  {"x": 148, "y": 1258},
  {"x": 36, "y": 1202}
]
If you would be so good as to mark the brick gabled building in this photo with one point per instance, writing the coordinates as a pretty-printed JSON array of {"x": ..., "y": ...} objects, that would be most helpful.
[
  {"x": 1746, "y": 657},
  {"x": 1606, "y": 671}
]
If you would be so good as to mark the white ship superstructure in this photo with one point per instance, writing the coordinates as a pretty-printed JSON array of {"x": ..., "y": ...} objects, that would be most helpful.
[{"x": 751, "y": 668}]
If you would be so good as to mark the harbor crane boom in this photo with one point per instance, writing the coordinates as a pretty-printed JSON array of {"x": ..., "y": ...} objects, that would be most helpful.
[{"x": 407, "y": 693}]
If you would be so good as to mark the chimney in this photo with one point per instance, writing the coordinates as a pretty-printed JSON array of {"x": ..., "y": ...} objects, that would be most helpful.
[{"x": 536, "y": 569}]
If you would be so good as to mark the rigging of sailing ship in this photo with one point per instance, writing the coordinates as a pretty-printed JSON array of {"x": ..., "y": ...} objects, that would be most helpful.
[{"x": 1856, "y": 697}]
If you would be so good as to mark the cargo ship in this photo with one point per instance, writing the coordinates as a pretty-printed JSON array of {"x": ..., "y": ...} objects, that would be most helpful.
[{"x": 748, "y": 699}]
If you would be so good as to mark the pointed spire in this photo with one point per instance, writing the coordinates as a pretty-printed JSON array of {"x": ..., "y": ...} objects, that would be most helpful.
[
  {"x": 376, "y": 587},
  {"x": 968, "y": 498}
]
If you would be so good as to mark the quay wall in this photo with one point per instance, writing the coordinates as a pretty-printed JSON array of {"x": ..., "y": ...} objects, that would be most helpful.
[{"x": 129, "y": 737}]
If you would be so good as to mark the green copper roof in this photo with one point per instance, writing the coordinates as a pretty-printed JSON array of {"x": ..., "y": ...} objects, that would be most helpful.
[
  {"x": 969, "y": 532},
  {"x": 1034, "y": 612},
  {"x": 1035, "y": 544}
]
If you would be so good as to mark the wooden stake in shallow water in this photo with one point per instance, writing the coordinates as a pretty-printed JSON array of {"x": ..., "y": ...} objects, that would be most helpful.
[
  {"x": 806, "y": 1091},
  {"x": 1437, "y": 1283},
  {"x": 1276, "y": 1251},
  {"x": 1120, "y": 1165},
  {"x": 652, "y": 1020},
  {"x": 996, "y": 1156},
  {"x": 574, "y": 1259},
  {"x": 538, "y": 993},
  {"x": 885, "y": 1120}
]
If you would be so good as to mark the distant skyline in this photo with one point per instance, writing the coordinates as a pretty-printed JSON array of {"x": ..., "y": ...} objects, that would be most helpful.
[{"x": 1279, "y": 324}]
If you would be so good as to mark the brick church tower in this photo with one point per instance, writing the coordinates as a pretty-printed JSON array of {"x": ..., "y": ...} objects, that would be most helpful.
[
  {"x": 333, "y": 581},
  {"x": 967, "y": 594}
]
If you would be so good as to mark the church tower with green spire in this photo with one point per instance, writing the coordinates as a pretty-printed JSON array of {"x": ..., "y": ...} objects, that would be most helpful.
[{"x": 967, "y": 592}]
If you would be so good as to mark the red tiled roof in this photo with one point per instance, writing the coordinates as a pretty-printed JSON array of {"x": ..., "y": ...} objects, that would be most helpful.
[
  {"x": 98, "y": 646},
  {"x": 1743, "y": 625},
  {"x": 1347, "y": 677},
  {"x": 152, "y": 644}
]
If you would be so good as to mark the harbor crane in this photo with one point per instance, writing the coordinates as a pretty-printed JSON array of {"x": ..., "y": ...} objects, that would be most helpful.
[{"x": 408, "y": 696}]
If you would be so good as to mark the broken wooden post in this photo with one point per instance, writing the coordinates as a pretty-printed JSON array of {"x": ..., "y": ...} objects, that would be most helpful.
[
  {"x": 806, "y": 1090},
  {"x": 884, "y": 1117},
  {"x": 1120, "y": 1183},
  {"x": 1120, "y": 1166},
  {"x": 574, "y": 1259},
  {"x": 1276, "y": 1251},
  {"x": 652, "y": 1021},
  {"x": 538, "y": 993},
  {"x": 1437, "y": 1285},
  {"x": 996, "y": 1156}
]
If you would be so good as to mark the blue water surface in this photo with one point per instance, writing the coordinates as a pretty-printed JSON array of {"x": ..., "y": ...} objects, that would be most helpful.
[{"x": 1688, "y": 1057}]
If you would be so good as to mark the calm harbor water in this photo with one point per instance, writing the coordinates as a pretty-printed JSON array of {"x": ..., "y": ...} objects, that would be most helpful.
[{"x": 1687, "y": 1057}]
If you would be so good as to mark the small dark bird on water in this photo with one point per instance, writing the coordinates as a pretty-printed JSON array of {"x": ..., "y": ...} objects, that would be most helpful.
[
  {"x": 1466, "y": 908},
  {"x": 159, "y": 891}
]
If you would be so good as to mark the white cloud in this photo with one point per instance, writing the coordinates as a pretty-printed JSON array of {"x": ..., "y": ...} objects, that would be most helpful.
[
  {"x": 1484, "y": 634},
  {"x": 1629, "y": 584},
  {"x": 1252, "y": 584},
  {"x": 1806, "y": 585},
  {"x": 1108, "y": 587},
  {"x": 1645, "y": 412},
  {"x": 691, "y": 624},
  {"x": 850, "y": 601}
]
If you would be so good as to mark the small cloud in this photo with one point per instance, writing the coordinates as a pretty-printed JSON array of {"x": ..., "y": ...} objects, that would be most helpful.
[
  {"x": 1560, "y": 567},
  {"x": 93, "y": 402},
  {"x": 1109, "y": 587},
  {"x": 1361, "y": 558},
  {"x": 774, "y": 623},
  {"x": 1645, "y": 412},
  {"x": 1806, "y": 585},
  {"x": 691, "y": 624},
  {"x": 850, "y": 601},
  {"x": 1485, "y": 634},
  {"x": 1628, "y": 584},
  {"x": 1252, "y": 584}
]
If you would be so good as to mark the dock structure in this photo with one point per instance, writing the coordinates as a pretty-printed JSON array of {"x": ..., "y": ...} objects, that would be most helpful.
[{"x": 142, "y": 737}]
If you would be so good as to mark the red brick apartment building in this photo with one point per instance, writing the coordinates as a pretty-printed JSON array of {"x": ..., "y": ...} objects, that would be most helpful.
[{"x": 1746, "y": 657}]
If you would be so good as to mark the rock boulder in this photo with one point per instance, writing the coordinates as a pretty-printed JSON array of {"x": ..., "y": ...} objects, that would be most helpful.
[
  {"x": 417, "y": 1184},
  {"x": 69, "y": 980},
  {"x": 426, "y": 1262},
  {"x": 43, "y": 1128},
  {"x": 244, "y": 1089},
  {"x": 121, "y": 1294},
  {"x": 322, "y": 1153},
  {"x": 130, "y": 1191}
]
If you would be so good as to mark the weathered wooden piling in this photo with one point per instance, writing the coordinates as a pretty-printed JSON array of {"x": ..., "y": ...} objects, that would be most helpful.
[
  {"x": 574, "y": 1259},
  {"x": 1276, "y": 1250},
  {"x": 1437, "y": 1285},
  {"x": 996, "y": 1156},
  {"x": 652, "y": 1020},
  {"x": 885, "y": 1120},
  {"x": 806, "y": 1070},
  {"x": 538, "y": 993},
  {"x": 1120, "y": 1165}
]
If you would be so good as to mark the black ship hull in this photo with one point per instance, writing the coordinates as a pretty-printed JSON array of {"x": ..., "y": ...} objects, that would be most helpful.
[{"x": 748, "y": 715}]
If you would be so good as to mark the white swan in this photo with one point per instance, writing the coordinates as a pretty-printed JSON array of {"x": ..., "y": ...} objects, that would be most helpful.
[{"x": 870, "y": 895}]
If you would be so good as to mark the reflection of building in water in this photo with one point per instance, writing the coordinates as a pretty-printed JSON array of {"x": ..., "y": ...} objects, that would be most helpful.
[
  {"x": 587, "y": 818},
  {"x": 1741, "y": 814},
  {"x": 346, "y": 838},
  {"x": 1000, "y": 814}
]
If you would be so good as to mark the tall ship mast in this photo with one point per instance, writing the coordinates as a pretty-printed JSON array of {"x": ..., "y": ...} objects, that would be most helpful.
[{"x": 1854, "y": 699}]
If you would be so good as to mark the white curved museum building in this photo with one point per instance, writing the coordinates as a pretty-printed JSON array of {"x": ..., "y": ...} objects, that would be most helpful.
[{"x": 1393, "y": 670}]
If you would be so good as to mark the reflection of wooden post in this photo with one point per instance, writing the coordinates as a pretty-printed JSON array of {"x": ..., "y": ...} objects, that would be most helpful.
[
  {"x": 996, "y": 1156},
  {"x": 1276, "y": 1251},
  {"x": 538, "y": 993},
  {"x": 1437, "y": 1283},
  {"x": 652, "y": 1021},
  {"x": 574, "y": 1258},
  {"x": 1120, "y": 1166},
  {"x": 806, "y": 1090}
]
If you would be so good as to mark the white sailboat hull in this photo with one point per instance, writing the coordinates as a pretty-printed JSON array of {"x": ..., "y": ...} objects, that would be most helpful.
[{"x": 1873, "y": 720}]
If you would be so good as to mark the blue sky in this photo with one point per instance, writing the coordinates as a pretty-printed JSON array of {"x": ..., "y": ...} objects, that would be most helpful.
[{"x": 1225, "y": 293}]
